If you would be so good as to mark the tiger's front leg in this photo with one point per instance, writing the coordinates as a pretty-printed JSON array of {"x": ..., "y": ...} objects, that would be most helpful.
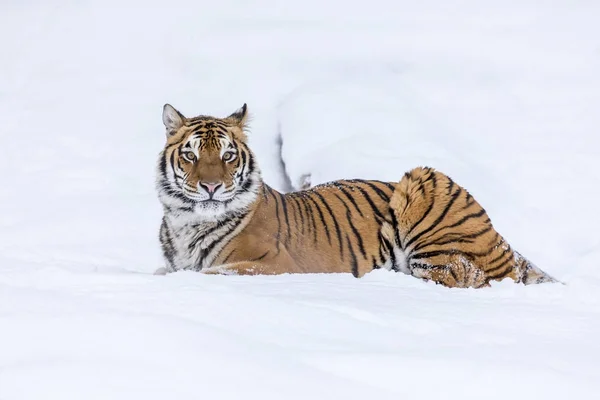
[
  {"x": 251, "y": 258},
  {"x": 240, "y": 268}
]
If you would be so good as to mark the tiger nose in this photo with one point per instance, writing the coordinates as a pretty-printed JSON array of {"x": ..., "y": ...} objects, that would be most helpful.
[{"x": 210, "y": 186}]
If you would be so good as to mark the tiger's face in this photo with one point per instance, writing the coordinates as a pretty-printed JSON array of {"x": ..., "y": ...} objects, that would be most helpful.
[{"x": 206, "y": 166}]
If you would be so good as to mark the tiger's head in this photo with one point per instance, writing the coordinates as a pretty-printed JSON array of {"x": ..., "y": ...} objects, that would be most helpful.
[{"x": 206, "y": 166}]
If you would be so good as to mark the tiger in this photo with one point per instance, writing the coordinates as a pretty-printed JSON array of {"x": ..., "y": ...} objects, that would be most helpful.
[{"x": 220, "y": 217}]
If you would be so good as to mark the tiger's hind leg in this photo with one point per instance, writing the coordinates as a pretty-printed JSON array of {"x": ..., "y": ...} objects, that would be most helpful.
[{"x": 447, "y": 237}]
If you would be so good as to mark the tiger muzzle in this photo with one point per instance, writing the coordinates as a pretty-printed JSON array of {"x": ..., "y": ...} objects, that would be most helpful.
[{"x": 210, "y": 187}]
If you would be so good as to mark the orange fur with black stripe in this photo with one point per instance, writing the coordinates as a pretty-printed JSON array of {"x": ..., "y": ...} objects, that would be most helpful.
[
  {"x": 441, "y": 233},
  {"x": 220, "y": 217}
]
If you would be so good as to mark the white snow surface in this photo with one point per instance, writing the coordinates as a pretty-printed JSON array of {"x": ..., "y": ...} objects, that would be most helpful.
[{"x": 501, "y": 95}]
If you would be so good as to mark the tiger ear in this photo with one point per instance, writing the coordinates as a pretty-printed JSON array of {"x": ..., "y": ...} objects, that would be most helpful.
[
  {"x": 172, "y": 119},
  {"x": 240, "y": 116}
]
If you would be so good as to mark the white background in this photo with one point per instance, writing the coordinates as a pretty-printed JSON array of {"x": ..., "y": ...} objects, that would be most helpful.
[{"x": 501, "y": 95}]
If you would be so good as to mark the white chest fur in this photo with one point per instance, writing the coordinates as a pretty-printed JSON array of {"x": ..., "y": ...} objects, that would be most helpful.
[{"x": 195, "y": 242}]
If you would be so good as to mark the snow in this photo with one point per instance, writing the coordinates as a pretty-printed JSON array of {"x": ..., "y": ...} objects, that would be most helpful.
[{"x": 501, "y": 95}]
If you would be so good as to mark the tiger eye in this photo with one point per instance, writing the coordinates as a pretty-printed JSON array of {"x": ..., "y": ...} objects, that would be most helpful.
[{"x": 188, "y": 155}]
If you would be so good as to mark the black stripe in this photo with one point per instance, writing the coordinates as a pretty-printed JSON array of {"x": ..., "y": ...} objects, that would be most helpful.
[
  {"x": 163, "y": 165},
  {"x": 210, "y": 231},
  {"x": 375, "y": 264},
  {"x": 300, "y": 213},
  {"x": 167, "y": 243},
  {"x": 525, "y": 275},
  {"x": 247, "y": 184},
  {"x": 396, "y": 228},
  {"x": 351, "y": 199},
  {"x": 178, "y": 163},
  {"x": 499, "y": 258},
  {"x": 421, "y": 186},
  {"x": 385, "y": 197},
  {"x": 195, "y": 121},
  {"x": 497, "y": 240},
  {"x": 502, "y": 272},
  {"x": 172, "y": 161},
  {"x": 448, "y": 237},
  {"x": 285, "y": 213},
  {"x": 219, "y": 225},
  {"x": 294, "y": 212},
  {"x": 453, "y": 238},
  {"x": 441, "y": 216},
  {"x": 361, "y": 245},
  {"x": 434, "y": 183},
  {"x": 261, "y": 256},
  {"x": 390, "y": 249},
  {"x": 479, "y": 233},
  {"x": 244, "y": 159},
  {"x": 181, "y": 209},
  {"x": 168, "y": 190},
  {"x": 429, "y": 254},
  {"x": 309, "y": 212},
  {"x": 470, "y": 201},
  {"x": 335, "y": 223},
  {"x": 495, "y": 260},
  {"x": 321, "y": 217},
  {"x": 206, "y": 252},
  {"x": 452, "y": 273},
  {"x": 192, "y": 244},
  {"x": 391, "y": 186},
  {"x": 462, "y": 239},
  {"x": 500, "y": 267},
  {"x": 352, "y": 258},
  {"x": 381, "y": 255},
  {"x": 251, "y": 164},
  {"x": 278, "y": 219},
  {"x": 374, "y": 208},
  {"x": 464, "y": 219}
]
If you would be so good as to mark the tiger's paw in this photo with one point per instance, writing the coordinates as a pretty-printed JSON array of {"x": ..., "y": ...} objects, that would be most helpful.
[
  {"x": 161, "y": 271},
  {"x": 219, "y": 270},
  {"x": 238, "y": 268}
]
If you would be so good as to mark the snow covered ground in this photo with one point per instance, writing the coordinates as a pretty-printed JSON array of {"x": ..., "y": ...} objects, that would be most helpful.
[{"x": 501, "y": 95}]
